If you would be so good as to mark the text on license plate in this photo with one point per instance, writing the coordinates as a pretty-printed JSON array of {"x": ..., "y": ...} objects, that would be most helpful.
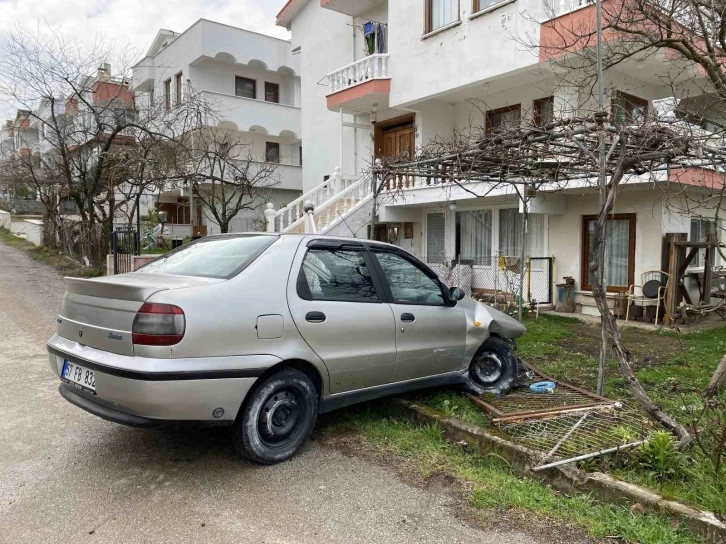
[{"x": 78, "y": 376}]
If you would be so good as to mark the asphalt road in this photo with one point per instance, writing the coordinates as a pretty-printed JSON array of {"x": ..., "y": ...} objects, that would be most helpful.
[{"x": 67, "y": 476}]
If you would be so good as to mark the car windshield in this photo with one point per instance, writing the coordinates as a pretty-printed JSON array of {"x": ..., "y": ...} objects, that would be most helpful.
[{"x": 213, "y": 257}]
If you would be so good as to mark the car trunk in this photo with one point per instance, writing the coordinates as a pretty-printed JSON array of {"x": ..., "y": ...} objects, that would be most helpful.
[{"x": 100, "y": 312}]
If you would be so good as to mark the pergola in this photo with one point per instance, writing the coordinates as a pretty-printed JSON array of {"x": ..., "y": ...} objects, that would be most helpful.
[{"x": 587, "y": 151}]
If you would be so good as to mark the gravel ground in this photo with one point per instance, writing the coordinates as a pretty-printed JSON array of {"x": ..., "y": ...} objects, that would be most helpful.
[{"x": 67, "y": 476}]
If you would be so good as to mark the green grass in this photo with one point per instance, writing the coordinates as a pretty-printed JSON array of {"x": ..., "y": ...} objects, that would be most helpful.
[
  {"x": 673, "y": 369},
  {"x": 56, "y": 259},
  {"x": 487, "y": 481}
]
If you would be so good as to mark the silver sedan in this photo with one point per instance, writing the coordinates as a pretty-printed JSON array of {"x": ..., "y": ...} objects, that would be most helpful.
[{"x": 264, "y": 331}]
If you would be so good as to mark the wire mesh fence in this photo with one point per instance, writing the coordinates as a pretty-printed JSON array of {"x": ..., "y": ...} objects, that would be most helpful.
[
  {"x": 566, "y": 424},
  {"x": 495, "y": 279}
]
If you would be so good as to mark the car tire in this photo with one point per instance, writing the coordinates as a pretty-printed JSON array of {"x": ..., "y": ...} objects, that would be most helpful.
[
  {"x": 493, "y": 369},
  {"x": 276, "y": 418}
]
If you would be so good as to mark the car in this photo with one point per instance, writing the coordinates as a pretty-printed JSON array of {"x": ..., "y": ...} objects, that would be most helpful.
[{"x": 263, "y": 332}]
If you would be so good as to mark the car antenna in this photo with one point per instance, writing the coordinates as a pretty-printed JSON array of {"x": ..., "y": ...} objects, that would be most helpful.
[{"x": 346, "y": 223}]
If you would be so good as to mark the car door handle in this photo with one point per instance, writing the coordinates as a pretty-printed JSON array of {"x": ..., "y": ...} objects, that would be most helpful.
[
  {"x": 408, "y": 318},
  {"x": 315, "y": 317}
]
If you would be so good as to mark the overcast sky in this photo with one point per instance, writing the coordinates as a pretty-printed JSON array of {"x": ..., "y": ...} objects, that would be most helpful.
[{"x": 133, "y": 22}]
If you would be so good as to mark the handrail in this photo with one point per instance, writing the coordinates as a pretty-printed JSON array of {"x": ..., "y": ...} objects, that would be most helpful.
[{"x": 359, "y": 61}]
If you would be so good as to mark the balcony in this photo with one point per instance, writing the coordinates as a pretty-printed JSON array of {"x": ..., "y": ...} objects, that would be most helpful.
[
  {"x": 552, "y": 9},
  {"x": 361, "y": 84},
  {"x": 143, "y": 75},
  {"x": 251, "y": 115},
  {"x": 354, "y": 8},
  {"x": 288, "y": 176}
]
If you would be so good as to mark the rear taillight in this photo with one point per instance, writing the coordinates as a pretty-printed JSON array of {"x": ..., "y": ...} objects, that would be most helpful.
[{"x": 158, "y": 325}]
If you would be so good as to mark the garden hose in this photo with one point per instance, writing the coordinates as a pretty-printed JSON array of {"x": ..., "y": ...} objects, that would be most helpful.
[{"x": 543, "y": 387}]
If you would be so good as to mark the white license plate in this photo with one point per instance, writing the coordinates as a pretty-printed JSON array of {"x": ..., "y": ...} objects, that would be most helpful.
[{"x": 79, "y": 377}]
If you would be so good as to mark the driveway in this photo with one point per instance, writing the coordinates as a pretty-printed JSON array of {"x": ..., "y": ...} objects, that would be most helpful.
[{"x": 67, "y": 476}]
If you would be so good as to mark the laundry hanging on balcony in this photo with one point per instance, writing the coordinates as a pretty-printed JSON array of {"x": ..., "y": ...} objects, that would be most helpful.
[{"x": 376, "y": 37}]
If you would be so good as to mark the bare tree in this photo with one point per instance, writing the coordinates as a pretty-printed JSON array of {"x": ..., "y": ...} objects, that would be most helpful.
[
  {"x": 219, "y": 167},
  {"x": 528, "y": 157}
]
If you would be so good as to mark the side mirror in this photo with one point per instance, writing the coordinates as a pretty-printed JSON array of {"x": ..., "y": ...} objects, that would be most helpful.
[{"x": 456, "y": 294}]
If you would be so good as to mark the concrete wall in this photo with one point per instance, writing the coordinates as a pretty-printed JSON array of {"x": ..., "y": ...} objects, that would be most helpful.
[
  {"x": 34, "y": 231},
  {"x": 34, "y": 207},
  {"x": 477, "y": 49},
  {"x": 326, "y": 42},
  {"x": 5, "y": 220}
]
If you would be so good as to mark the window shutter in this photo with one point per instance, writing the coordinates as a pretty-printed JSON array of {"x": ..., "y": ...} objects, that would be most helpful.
[{"x": 435, "y": 238}]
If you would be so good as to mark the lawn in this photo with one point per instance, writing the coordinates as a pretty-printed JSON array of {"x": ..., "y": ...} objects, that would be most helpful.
[
  {"x": 64, "y": 264},
  {"x": 673, "y": 368},
  {"x": 493, "y": 494}
]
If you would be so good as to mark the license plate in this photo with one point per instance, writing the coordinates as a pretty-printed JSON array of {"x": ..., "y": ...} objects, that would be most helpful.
[{"x": 79, "y": 377}]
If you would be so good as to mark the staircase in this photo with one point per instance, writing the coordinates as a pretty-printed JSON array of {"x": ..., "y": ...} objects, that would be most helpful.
[{"x": 336, "y": 206}]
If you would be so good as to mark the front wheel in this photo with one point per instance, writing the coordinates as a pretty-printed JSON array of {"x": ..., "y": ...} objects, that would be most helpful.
[
  {"x": 493, "y": 369},
  {"x": 277, "y": 418}
]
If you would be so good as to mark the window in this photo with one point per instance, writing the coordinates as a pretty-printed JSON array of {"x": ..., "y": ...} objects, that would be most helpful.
[
  {"x": 178, "y": 96},
  {"x": 167, "y": 94},
  {"x": 409, "y": 284},
  {"x": 245, "y": 87},
  {"x": 480, "y": 5},
  {"x": 619, "y": 251},
  {"x": 337, "y": 275},
  {"x": 503, "y": 118},
  {"x": 213, "y": 257},
  {"x": 511, "y": 223},
  {"x": 435, "y": 238},
  {"x": 701, "y": 229},
  {"x": 272, "y": 152},
  {"x": 440, "y": 13},
  {"x": 272, "y": 92},
  {"x": 300, "y": 163},
  {"x": 544, "y": 111},
  {"x": 474, "y": 235},
  {"x": 628, "y": 108}
]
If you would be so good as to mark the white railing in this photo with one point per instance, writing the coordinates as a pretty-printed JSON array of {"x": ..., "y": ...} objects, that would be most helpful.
[
  {"x": 289, "y": 217},
  {"x": 556, "y": 8},
  {"x": 372, "y": 67},
  {"x": 330, "y": 212}
]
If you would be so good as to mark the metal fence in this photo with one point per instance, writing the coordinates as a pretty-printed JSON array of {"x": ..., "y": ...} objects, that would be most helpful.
[
  {"x": 124, "y": 245},
  {"x": 495, "y": 279}
]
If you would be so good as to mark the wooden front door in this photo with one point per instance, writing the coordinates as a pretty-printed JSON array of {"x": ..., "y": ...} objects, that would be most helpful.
[
  {"x": 398, "y": 141},
  {"x": 394, "y": 137}
]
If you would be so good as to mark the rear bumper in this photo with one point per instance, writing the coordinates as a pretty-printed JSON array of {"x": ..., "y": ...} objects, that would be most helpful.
[
  {"x": 104, "y": 412},
  {"x": 145, "y": 392}
]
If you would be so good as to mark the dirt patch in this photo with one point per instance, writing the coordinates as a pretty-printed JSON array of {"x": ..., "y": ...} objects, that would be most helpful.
[{"x": 540, "y": 528}]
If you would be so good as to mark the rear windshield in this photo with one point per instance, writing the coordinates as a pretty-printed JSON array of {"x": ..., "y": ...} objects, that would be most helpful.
[{"x": 213, "y": 257}]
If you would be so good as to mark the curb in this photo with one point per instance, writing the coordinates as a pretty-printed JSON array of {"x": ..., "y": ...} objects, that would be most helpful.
[{"x": 570, "y": 479}]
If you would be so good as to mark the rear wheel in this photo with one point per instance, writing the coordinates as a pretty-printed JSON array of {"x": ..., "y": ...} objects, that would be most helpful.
[
  {"x": 277, "y": 417},
  {"x": 493, "y": 369}
]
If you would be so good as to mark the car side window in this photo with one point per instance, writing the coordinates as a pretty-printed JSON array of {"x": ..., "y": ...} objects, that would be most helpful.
[
  {"x": 409, "y": 284},
  {"x": 337, "y": 275}
]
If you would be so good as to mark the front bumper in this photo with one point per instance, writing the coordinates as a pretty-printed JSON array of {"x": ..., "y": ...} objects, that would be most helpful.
[{"x": 146, "y": 392}]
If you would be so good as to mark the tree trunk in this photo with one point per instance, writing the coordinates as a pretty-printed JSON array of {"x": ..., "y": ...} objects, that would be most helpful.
[
  {"x": 613, "y": 331},
  {"x": 718, "y": 380}
]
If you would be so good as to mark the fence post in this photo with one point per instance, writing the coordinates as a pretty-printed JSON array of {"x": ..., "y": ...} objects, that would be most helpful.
[
  {"x": 270, "y": 217},
  {"x": 529, "y": 279}
]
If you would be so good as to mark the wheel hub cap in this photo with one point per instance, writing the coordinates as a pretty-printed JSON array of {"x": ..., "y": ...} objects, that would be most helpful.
[
  {"x": 279, "y": 416},
  {"x": 487, "y": 368}
]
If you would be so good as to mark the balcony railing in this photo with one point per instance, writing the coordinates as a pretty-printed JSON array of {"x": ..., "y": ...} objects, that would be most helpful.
[
  {"x": 557, "y": 8},
  {"x": 361, "y": 71}
]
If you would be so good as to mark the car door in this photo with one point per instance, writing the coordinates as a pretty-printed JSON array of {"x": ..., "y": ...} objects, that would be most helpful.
[
  {"x": 338, "y": 305},
  {"x": 430, "y": 333}
]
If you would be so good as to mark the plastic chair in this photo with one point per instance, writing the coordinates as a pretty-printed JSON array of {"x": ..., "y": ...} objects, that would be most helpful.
[{"x": 653, "y": 287}]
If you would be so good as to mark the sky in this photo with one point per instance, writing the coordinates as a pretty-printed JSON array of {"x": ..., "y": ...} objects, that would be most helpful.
[{"x": 131, "y": 22}]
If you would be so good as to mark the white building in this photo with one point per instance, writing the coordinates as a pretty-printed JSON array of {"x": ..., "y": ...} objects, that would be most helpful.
[
  {"x": 380, "y": 78},
  {"x": 253, "y": 82}
]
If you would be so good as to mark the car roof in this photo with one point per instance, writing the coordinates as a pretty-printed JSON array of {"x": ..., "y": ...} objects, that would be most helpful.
[{"x": 350, "y": 239}]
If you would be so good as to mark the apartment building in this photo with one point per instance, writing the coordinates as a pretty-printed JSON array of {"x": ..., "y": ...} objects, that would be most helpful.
[
  {"x": 252, "y": 83},
  {"x": 382, "y": 78}
]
